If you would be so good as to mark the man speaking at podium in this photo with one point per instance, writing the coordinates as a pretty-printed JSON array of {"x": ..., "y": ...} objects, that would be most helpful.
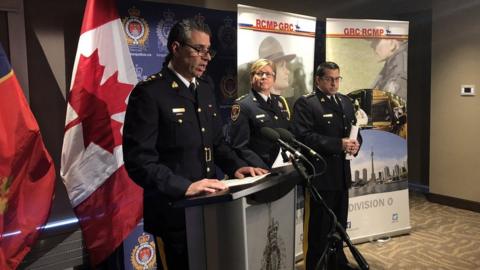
[
  {"x": 172, "y": 139},
  {"x": 323, "y": 120}
]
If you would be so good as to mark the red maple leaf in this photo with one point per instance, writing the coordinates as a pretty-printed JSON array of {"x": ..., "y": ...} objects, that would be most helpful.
[{"x": 95, "y": 104}]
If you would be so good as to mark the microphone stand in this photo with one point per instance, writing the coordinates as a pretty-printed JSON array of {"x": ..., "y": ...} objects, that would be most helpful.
[{"x": 337, "y": 232}]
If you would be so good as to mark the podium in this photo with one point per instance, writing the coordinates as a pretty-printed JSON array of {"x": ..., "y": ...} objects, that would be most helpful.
[{"x": 247, "y": 227}]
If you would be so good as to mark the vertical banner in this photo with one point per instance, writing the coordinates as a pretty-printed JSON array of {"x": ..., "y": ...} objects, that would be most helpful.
[
  {"x": 372, "y": 56},
  {"x": 276, "y": 36}
]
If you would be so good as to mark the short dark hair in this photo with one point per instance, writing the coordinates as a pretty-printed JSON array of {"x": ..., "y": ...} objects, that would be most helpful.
[
  {"x": 182, "y": 33},
  {"x": 320, "y": 71}
]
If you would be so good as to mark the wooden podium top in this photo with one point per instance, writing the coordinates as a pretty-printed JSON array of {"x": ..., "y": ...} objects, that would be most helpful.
[{"x": 278, "y": 183}]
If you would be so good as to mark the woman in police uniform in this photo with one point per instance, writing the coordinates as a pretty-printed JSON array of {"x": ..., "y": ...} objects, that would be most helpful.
[{"x": 260, "y": 108}]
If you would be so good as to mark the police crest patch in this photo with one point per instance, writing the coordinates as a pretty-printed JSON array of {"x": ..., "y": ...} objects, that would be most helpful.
[
  {"x": 235, "y": 112},
  {"x": 228, "y": 84},
  {"x": 227, "y": 35},
  {"x": 143, "y": 255},
  {"x": 136, "y": 29},
  {"x": 163, "y": 28}
]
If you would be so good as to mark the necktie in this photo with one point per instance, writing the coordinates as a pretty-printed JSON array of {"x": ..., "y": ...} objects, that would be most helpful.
[
  {"x": 270, "y": 103},
  {"x": 192, "y": 87}
]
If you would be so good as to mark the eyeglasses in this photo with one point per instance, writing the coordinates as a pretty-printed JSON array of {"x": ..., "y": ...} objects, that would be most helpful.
[
  {"x": 202, "y": 51},
  {"x": 266, "y": 74},
  {"x": 331, "y": 79}
]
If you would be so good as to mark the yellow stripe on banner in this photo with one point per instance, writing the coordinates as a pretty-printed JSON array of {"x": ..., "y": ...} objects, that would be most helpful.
[
  {"x": 161, "y": 251},
  {"x": 9, "y": 74},
  {"x": 306, "y": 220},
  {"x": 286, "y": 106}
]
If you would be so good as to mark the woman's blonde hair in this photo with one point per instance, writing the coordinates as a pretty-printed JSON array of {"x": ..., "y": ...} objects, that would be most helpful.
[{"x": 261, "y": 63}]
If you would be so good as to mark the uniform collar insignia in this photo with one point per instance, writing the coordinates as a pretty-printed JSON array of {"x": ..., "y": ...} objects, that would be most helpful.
[
  {"x": 322, "y": 100},
  {"x": 174, "y": 84}
]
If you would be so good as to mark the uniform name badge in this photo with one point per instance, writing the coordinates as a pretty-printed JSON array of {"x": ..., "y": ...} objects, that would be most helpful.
[
  {"x": 328, "y": 115},
  {"x": 178, "y": 111}
]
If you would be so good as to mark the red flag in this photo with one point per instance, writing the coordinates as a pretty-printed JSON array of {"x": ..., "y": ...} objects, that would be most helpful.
[
  {"x": 107, "y": 203},
  {"x": 27, "y": 173}
]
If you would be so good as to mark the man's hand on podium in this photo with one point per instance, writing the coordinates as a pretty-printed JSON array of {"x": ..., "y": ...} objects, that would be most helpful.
[
  {"x": 249, "y": 171},
  {"x": 205, "y": 186}
]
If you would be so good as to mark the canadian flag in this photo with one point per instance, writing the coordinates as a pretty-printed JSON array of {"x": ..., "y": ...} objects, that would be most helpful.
[{"x": 106, "y": 201}]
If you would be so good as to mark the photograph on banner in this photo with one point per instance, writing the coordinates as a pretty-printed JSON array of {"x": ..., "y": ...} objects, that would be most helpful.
[
  {"x": 372, "y": 54},
  {"x": 275, "y": 35},
  {"x": 380, "y": 110},
  {"x": 381, "y": 166}
]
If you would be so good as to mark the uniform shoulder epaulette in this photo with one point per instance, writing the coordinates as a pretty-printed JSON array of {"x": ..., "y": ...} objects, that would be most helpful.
[
  {"x": 308, "y": 95},
  {"x": 241, "y": 97},
  {"x": 151, "y": 78}
]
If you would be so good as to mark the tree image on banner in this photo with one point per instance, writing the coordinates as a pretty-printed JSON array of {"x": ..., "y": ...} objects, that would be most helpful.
[{"x": 106, "y": 201}]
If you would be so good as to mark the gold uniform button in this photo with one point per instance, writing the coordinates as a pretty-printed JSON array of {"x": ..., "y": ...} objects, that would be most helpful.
[
  {"x": 344, "y": 116},
  {"x": 214, "y": 114},
  {"x": 203, "y": 129},
  {"x": 208, "y": 169},
  {"x": 276, "y": 117},
  {"x": 199, "y": 110},
  {"x": 328, "y": 122},
  {"x": 180, "y": 121},
  {"x": 345, "y": 128}
]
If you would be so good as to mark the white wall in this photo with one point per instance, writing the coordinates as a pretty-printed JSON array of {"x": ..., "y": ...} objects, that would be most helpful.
[{"x": 455, "y": 123}]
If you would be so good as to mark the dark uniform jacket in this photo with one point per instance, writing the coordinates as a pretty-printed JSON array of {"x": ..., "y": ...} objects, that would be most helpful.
[
  {"x": 321, "y": 124},
  {"x": 169, "y": 141},
  {"x": 249, "y": 114}
]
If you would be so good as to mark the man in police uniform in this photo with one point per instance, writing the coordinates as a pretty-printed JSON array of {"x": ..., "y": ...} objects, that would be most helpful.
[
  {"x": 322, "y": 120},
  {"x": 172, "y": 139},
  {"x": 250, "y": 113}
]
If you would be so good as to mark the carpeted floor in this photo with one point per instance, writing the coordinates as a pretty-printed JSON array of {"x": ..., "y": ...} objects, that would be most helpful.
[{"x": 442, "y": 237}]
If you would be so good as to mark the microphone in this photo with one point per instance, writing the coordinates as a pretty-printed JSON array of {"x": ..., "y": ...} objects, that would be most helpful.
[
  {"x": 289, "y": 138},
  {"x": 274, "y": 136}
]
